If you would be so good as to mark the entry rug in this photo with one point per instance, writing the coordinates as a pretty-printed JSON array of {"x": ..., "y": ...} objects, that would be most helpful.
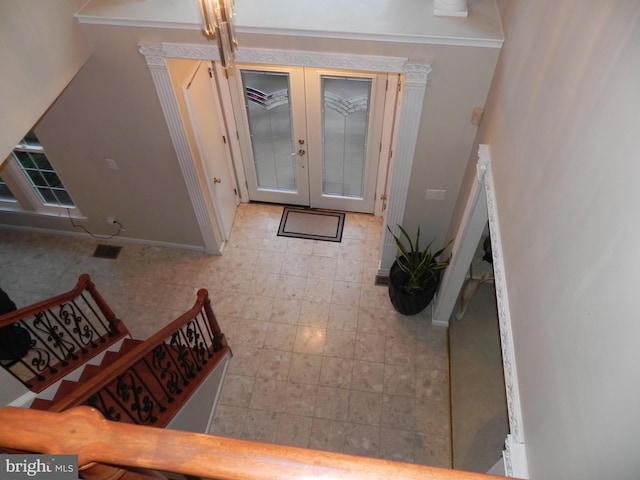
[{"x": 311, "y": 224}]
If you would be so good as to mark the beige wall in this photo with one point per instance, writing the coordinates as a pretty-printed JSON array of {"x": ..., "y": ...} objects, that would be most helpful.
[
  {"x": 111, "y": 110},
  {"x": 41, "y": 49},
  {"x": 562, "y": 125}
]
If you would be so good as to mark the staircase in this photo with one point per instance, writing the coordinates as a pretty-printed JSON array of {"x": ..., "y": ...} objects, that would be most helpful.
[{"x": 87, "y": 357}]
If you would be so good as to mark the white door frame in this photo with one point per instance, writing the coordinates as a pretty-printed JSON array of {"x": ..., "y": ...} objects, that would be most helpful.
[{"x": 412, "y": 91}]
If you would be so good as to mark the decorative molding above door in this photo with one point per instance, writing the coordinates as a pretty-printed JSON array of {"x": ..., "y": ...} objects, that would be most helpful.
[{"x": 155, "y": 53}]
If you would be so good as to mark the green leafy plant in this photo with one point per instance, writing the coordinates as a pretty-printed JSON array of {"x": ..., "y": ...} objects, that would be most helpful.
[{"x": 420, "y": 266}]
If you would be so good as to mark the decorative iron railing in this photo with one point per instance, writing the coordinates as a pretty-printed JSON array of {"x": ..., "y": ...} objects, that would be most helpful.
[
  {"x": 146, "y": 385},
  {"x": 42, "y": 343}
]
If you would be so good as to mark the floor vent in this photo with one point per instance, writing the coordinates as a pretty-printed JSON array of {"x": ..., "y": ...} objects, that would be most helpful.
[{"x": 107, "y": 251}]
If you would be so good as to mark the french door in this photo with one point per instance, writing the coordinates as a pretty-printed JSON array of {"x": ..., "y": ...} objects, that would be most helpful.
[{"x": 312, "y": 137}]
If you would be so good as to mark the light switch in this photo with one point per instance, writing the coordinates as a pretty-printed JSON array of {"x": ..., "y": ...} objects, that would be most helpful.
[
  {"x": 435, "y": 194},
  {"x": 476, "y": 116}
]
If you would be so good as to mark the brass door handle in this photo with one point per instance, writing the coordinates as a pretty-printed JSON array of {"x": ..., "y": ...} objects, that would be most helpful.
[
  {"x": 301, "y": 152},
  {"x": 217, "y": 180}
]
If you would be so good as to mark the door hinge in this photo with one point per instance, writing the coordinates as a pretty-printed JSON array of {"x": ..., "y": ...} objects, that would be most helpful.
[
  {"x": 210, "y": 72},
  {"x": 235, "y": 192},
  {"x": 224, "y": 139}
]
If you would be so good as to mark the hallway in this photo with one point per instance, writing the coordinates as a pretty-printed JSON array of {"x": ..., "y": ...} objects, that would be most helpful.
[{"x": 321, "y": 360}]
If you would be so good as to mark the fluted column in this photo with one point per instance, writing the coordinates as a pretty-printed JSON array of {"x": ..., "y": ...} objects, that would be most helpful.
[{"x": 402, "y": 162}]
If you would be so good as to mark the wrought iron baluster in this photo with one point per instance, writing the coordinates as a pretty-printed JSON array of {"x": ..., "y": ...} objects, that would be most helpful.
[
  {"x": 48, "y": 344},
  {"x": 137, "y": 396},
  {"x": 118, "y": 403},
  {"x": 173, "y": 355},
  {"x": 185, "y": 355},
  {"x": 207, "y": 327},
  {"x": 70, "y": 319},
  {"x": 207, "y": 341},
  {"x": 196, "y": 345},
  {"x": 85, "y": 328},
  {"x": 98, "y": 402},
  {"x": 171, "y": 386},
  {"x": 104, "y": 325}
]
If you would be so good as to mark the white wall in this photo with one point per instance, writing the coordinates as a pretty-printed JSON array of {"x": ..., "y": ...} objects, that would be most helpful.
[{"x": 563, "y": 127}]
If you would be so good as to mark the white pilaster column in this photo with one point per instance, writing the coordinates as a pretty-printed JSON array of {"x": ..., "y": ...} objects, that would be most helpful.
[
  {"x": 450, "y": 8},
  {"x": 402, "y": 161},
  {"x": 155, "y": 55}
]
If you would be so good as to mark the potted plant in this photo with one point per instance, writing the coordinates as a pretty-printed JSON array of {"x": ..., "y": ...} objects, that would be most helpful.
[{"x": 415, "y": 275}]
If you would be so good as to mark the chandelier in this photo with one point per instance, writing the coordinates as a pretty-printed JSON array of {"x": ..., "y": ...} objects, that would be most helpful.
[{"x": 217, "y": 24}]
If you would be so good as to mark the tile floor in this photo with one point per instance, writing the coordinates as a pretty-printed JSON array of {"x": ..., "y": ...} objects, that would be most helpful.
[{"x": 321, "y": 359}]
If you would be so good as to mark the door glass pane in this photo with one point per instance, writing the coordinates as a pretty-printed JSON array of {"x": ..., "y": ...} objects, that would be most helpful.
[
  {"x": 269, "y": 114},
  {"x": 345, "y": 114}
]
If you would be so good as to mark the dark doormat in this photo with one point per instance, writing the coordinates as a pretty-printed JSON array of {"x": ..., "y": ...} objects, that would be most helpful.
[
  {"x": 107, "y": 251},
  {"x": 311, "y": 224}
]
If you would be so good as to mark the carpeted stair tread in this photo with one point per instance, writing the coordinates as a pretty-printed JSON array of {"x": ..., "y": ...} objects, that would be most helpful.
[
  {"x": 41, "y": 404},
  {"x": 89, "y": 372},
  {"x": 65, "y": 388}
]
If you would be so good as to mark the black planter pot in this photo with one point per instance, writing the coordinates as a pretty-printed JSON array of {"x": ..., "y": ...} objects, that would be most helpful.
[{"x": 405, "y": 303}]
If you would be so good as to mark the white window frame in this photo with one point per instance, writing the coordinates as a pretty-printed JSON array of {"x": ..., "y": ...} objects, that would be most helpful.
[{"x": 27, "y": 199}]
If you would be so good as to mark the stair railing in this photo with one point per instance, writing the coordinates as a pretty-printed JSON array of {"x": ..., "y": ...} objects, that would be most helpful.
[
  {"x": 148, "y": 384},
  {"x": 42, "y": 343},
  {"x": 112, "y": 450}
]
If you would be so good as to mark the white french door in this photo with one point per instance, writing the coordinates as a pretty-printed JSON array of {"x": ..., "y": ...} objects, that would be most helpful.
[{"x": 312, "y": 137}]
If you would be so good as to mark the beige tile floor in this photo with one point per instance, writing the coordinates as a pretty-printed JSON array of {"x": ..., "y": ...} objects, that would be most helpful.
[{"x": 321, "y": 359}]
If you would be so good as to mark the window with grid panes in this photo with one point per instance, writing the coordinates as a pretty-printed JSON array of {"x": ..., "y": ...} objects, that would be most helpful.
[{"x": 32, "y": 160}]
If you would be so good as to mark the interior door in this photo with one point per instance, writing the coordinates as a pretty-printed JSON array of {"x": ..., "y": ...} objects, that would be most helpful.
[
  {"x": 312, "y": 137},
  {"x": 274, "y": 141},
  {"x": 211, "y": 138}
]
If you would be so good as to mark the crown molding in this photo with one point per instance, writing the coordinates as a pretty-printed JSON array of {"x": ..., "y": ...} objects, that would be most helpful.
[{"x": 156, "y": 53}]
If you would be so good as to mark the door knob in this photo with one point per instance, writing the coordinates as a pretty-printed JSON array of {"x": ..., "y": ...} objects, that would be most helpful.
[
  {"x": 301, "y": 141},
  {"x": 217, "y": 180},
  {"x": 301, "y": 152}
]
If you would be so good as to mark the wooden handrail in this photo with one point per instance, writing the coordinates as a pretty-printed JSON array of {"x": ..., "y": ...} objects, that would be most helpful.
[
  {"x": 88, "y": 388},
  {"x": 104, "y": 447}
]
